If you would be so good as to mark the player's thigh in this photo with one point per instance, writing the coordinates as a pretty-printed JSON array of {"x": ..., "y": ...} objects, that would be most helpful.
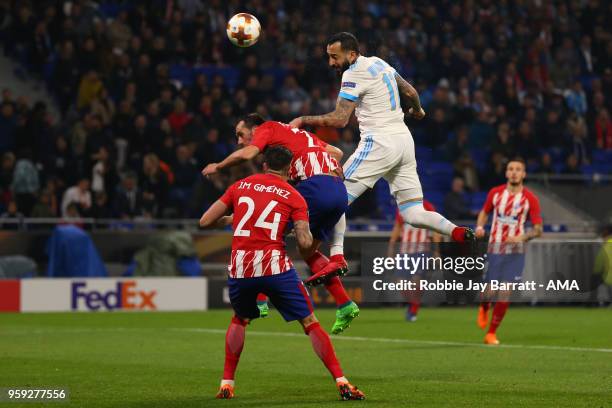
[
  {"x": 371, "y": 161},
  {"x": 243, "y": 297},
  {"x": 404, "y": 181},
  {"x": 326, "y": 197},
  {"x": 289, "y": 296}
]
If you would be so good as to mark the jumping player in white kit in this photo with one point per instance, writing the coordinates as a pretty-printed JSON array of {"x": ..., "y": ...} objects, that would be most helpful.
[{"x": 374, "y": 90}]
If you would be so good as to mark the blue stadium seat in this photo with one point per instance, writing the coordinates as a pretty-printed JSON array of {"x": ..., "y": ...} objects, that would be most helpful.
[{"x": 602, "y": 156}]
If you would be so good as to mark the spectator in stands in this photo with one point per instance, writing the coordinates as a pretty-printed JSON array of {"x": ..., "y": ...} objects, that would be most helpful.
[
  {"x": 128, "y": 198},
  {"x": 495, "y": 174},
  {"x": 502, "y": 144},
  {"x": 186, "y": 171},
  {"x": 179, "y": 118},
  {"x": 90, "y": 87},
  {"x": 43, "y": 208},
  {"x": 578, "y": 138},
  {"x": 526, "y": 146},
  {"x": 78, "y": 194},
  {"x": 25, "y": 184},
  {"x": 571, "y": 165},
  {"x": 100, "y": 207},
  {"x": 8, "y": 126},
  {"x": 12, "y": 213},
  {"x": 154, "y": 185},
  {"x": 455, "y": 204},
  {"x": 603, "y": 130},
  {"x": 546, "y": 164},
  {"x": 465, "y": 168},
  {"x": 7, "y": 167},
  {"x": 576, "y": 98}
]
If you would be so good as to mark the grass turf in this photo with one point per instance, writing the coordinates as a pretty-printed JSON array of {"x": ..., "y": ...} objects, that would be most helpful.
[{"x": 176, "y": 359}]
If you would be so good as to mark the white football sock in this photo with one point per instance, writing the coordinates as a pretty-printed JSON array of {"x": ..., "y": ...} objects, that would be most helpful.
[
  {"x": 337, "y": 244},
  {"x": 416, "y": 215}
]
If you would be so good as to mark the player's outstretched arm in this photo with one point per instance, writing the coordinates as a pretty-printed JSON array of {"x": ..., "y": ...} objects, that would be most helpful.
[
  {"x": 338, "y": 118},
  {"x": 239, "y": 156},
  {"x": 409, "y": 94},
  {"x": 215, "y": 217},
  {"x": 303, "y": 235}
]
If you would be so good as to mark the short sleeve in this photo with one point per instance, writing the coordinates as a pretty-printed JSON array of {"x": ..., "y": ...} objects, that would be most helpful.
[
  {"x": 262, "y": 136},
  {"x": 300, "y": 209},
  {"x": 488, "y": 205},
  {"x": 351, "y": 87},
  {"x": 534, "y": 210},
  {"x": 228, "y": 197}
]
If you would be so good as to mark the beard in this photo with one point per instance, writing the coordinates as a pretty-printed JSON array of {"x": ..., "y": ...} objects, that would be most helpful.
[{"x": 340, "y": 70}]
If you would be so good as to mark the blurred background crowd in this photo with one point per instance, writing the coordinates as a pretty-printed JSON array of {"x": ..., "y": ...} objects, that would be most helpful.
[{"x": 149, "y": 93}]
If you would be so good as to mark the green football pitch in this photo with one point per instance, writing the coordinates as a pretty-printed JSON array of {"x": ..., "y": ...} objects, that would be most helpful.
[{"x": 550, "y": 357}]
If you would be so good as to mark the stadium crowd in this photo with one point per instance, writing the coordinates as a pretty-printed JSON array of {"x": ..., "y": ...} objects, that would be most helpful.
[{"x": 149, "y": 92}]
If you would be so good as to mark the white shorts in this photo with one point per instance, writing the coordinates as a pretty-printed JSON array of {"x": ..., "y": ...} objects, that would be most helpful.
[{"x": 390, "y": 156}]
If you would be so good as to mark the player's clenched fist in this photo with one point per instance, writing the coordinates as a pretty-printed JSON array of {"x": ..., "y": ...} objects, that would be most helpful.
[
  {"x": 417, "y": 114},
  {"x": 296, "y": 123},
  {"x": 210, "y": 169}
]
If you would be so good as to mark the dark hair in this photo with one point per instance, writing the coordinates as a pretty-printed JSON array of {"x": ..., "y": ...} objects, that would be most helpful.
[
  {"x": 277, "y": 157},
  {"x": 518, "y": 159},
  {"x": 252, "y": 119},
  {"x": 348, "y": 42}
]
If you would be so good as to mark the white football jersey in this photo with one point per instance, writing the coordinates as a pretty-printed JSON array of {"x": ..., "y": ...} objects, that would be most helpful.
[{"x": 370, "y": 82}]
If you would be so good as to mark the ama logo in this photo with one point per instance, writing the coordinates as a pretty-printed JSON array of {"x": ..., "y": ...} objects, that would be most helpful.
[{"x": 125, "y": 296}]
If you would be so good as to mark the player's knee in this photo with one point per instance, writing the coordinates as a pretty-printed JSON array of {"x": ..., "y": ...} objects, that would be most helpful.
[
  {"x": 308, "y": 322},
  {"x": 239, "y": 320},
  {"x": 413, "y": 212}
]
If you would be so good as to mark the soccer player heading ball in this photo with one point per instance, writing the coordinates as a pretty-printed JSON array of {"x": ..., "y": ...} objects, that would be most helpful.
[
  {"x": 263, "y": 205},
  {"x": 375, "y": 91}
]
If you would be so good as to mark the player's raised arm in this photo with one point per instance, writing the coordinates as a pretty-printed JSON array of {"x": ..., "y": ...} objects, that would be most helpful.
[
  {"x": 338, "y": 118},
  {"x": 239, "y": 156},
  {"x": 410, "y": 94}
]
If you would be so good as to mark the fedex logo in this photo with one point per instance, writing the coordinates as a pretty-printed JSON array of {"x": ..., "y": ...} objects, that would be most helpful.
[{"x": 125, "y": 296}]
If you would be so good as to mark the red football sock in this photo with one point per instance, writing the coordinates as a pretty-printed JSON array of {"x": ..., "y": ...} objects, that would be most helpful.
[
  {"x": 458, "y": 234},
  {"x": 414, "y": 307},
  {"x": 317, "y": 262},
  {"x": 323, "y": 347},
  {"x": 499, "y": 310},
  {"x": 234, "y": 341},
  {"x": 262, "y": 298},
  {"x": 485, "y": 305},
  {"x": 335, "y": 287}
]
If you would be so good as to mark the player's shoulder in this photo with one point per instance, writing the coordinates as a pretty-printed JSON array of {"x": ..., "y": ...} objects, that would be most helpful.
[
  {"x": 529, "y": 194},
  {"x": 497, "y": 189}
]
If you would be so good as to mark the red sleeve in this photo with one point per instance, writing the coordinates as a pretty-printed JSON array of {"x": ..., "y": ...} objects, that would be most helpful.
[
  {"x": 534, "y": 209},
  {"x": 488, "y": 205},
  {"x": 300, "y": 209},
  {"x": 262, "y": 136},
  {"x": 228, "y": 197}
]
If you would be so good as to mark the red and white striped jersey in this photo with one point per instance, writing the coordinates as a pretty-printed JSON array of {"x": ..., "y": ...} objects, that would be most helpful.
[
  {"x": 415, "y": 240},
  {"x": 510, "y": 211},
  {"x": 262, "y": 204},
  {"x": 309, "y": 155}
]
